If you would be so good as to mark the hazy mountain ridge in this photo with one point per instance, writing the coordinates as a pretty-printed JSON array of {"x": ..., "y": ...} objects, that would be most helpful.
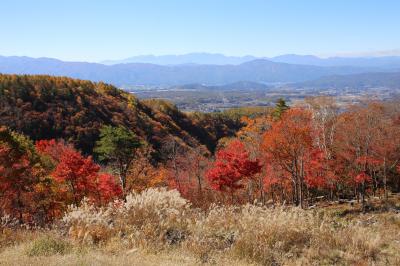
[
  {"x": 191, "y": 58},
  {"x": 362, "y": 80},
  {"x": 387, "y": 62},
  {"x": 260, "y": 70}
]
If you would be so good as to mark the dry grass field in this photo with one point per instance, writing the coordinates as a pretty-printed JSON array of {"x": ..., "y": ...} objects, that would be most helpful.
[{"x": 158, "y": 227}]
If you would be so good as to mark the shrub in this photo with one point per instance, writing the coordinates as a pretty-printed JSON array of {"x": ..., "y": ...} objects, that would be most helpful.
[
  {"x": 152, "y": 218},
  {"x": 47, "y": 246}
]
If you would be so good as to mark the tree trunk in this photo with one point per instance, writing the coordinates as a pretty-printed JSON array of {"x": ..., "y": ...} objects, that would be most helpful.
[
  {"x": 300, "y": 194},
  {"x": 295, "y": 193},
  {"x": 301, "y": 181},
  {"x": 385, "y": 179},
  {"x": 363, "y": 196}
]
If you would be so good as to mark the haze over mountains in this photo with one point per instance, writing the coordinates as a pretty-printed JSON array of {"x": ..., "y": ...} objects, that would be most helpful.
[
  {"x": 207, "y": 69},
  {"x": 259, "y": 70},
  {"x": 385, "y": 62},
  {"x": 191, "y": 58},
  {"x": 360, "y": 81},
  {"x": 220, "y": 59}
]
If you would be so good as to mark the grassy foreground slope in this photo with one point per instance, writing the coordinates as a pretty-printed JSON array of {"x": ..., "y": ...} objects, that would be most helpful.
[{"x": 158, "y": 227}]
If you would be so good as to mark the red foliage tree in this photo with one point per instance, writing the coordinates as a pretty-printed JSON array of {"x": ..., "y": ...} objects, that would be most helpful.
[
  {"x": 276, "y": 181},
  {"x": 52, "y": 148},
  {"x": 108, "y": 187},
  {"x": 186, "y": 173},
  {"x": 20, "y": 171},
  {"x": 79, "y": 175},
  {"x": 318, "y": 173},
  {"x": 15, "y": 181},
  {"x": 231, "y": 166},
  {"x": 367, "y": 145},
  {"x": 362, "y": 178}
]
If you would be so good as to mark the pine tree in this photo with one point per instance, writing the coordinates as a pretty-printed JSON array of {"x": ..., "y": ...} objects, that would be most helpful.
[
  {"x": 280, "y": 108},
  {"x": 117, "y": 146}
]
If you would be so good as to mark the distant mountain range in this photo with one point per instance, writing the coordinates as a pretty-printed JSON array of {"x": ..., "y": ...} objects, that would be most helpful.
[
  {"x": 387, "y": 62},
  {"x": 355, "y": 81},
  {"x": 192, "y": 58},
  {"x": 259, "y": 70}
]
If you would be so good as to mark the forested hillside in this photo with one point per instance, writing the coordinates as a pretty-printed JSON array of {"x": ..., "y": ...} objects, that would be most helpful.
[
  {"x": 116, "y": 174},
  {"x": 45, "y": 107}
]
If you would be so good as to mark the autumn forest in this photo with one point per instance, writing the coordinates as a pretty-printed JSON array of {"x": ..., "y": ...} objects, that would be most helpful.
[{"x": 69, "y": 145}]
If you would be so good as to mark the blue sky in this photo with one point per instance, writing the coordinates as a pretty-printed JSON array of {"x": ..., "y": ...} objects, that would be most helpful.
[{"x": 94, "y": 30}]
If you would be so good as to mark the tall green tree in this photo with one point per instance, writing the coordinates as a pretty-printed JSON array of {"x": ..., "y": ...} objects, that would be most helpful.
[
  {"x": 117, "y": 146},
  {"x": 280, "y": 108}
]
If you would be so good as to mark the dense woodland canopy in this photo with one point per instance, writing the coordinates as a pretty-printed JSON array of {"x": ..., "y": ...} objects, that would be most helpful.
[
  {"x": 62, "y": 140},
  {"x": 46, "y": 107}
]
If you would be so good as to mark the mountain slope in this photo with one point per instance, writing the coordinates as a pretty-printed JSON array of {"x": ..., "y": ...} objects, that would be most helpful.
[
  {"x": 45, "y": 107},
  {"x": 357, "y": 81},
  {"x": 261, "y": 70}
]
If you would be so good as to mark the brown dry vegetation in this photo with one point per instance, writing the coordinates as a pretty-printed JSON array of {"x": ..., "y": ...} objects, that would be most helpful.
[{"x": 158, "y": 227}]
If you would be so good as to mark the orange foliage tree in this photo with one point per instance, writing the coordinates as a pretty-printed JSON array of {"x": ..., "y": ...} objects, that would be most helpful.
[
  {"x": 143, "y": 173},
  {"x": 288, "y": 144}
]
